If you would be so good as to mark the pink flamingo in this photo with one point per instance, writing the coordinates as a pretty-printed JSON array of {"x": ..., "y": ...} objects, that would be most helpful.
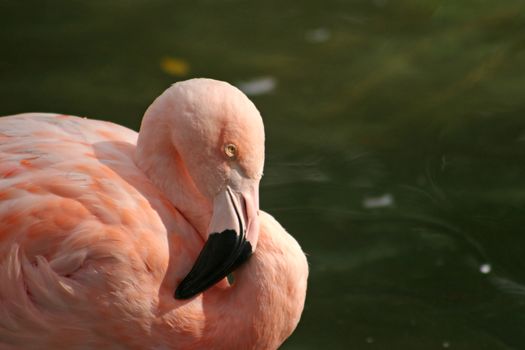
[{"x": 111, "y": 239}]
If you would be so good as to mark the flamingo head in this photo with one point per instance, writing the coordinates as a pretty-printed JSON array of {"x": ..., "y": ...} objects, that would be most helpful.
[{"x": 218, "y": 136}]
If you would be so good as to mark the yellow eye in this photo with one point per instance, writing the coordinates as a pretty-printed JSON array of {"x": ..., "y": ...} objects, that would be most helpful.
[{"x": 230, "y": 150}]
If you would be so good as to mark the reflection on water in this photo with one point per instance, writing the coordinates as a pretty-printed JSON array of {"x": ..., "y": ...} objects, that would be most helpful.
[{"x": 395, "y": 141}]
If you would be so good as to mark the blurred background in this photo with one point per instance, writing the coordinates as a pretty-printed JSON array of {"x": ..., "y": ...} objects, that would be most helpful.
[{"x": 395, "y": 141}]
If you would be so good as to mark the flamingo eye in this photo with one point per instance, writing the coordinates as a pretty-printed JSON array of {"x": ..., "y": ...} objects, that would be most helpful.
[{"x": 230, "y": 150}]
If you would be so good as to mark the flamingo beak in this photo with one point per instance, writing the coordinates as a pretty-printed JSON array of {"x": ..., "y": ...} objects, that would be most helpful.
[{"x": 232, "y": 238}]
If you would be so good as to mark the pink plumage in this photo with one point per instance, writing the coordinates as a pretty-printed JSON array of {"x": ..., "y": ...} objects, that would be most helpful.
[{"x": 101, "y": 226}]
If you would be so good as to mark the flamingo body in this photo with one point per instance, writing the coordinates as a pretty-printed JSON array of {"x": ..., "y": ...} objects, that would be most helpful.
[{"x": 94, "y": 238}]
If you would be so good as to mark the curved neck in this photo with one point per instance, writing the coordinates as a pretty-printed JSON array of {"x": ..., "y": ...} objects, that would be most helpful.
[
  {"x": 259, "y": 311},
  {"x": 269, "y": 291},
  {"x": 156, "y": 156}
]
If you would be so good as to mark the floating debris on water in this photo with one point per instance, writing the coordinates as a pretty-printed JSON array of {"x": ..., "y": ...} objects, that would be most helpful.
[
  {"x": 318, "y": 35},
  {"x": 445, "y": 344},
  {"x": 370, "y": 340},
  {"x": 174, "y": 66},
  {"x": 258, "y": 86},
  {"x": 485, "y": 268},
  {"x": 386, "y": 200}
]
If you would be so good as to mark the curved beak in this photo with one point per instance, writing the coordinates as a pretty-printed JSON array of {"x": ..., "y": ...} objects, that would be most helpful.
[{"x": 232, "y": 238}]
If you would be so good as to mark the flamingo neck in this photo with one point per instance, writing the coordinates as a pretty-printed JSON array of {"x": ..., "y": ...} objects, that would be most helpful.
[
  {"x": 268, "y": 292},
  {"x": 259, "y": 311},
  {"x": 157, "y": 157}
]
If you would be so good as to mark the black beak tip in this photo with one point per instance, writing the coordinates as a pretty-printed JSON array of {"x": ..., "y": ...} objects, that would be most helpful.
[
  {"x": 222, "y": 253},
  {"x": 182, "y": 293}
]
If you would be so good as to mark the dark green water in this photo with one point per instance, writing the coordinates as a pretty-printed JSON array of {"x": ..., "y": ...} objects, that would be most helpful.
[{"x": 396, "y": 141}]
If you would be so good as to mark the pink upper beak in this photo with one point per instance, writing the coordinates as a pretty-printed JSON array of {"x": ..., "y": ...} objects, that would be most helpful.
[{"x": 232, "y": 237}]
